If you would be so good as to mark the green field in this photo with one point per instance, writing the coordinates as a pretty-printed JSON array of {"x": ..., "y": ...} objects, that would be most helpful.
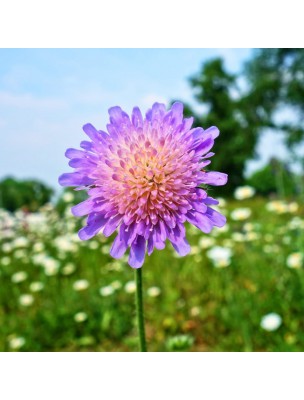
[{"x": 61, "y": 294}]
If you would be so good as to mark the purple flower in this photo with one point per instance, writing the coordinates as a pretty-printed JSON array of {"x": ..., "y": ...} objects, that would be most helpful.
[{"x": 143, "y": 177}]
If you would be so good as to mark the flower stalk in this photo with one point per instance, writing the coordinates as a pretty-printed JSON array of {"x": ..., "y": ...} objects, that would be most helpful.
[{"x": 140, "y": 310}]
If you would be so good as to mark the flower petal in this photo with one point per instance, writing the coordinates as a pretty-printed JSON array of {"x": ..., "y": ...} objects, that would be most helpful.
[
  {"x": 137, "y": 252},
  {"x": 86, "y": 145},
  {"x": 182, "y": 247},
  {"x": 213, "y": 131},
  {"x": 187, "y": 123},
  {"x": 118, "y": 116},
  {"x": 118, "y": 248},
  {"x": 137, "y": 119},
  {"x": 74, "y": 179},
  {"x": 158, "y": 111},
  {"x": 83, "y": 208},
  {"x": 112, "y": 225},
  {"x": 205, "y": 146},
  {"x": 75, "y": 153},
  {"x": 214, "y": 178},
  {"x": 216, "y": 218},
  {"x": 81, "y": 163},
  {"x": 150, "y": 246},
  {"x": 93, "y": 133},
  {"x": 201, "y": 221},
  {"x": 211, "y": 200},
  {"x": 178, "y": 240},
  {"x": 94, "y": 225},
  {"x": 177, "y": 112}
]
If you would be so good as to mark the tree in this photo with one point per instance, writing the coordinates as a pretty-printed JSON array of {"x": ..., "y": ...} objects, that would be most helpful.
[
  {"x": 218, "y": 92},
  {"x": 29, "y": 194},
  {"x": 274, "y": 87},
  {"x": 275, "y": 178},
  {"x": 276, "y": 84}
]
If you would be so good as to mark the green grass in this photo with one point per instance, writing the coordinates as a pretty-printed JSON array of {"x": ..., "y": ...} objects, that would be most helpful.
[{"x": 218, "y": 309}]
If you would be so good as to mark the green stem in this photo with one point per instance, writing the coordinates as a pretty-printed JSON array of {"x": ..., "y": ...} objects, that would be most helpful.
[{"x": 140, "y": 310}]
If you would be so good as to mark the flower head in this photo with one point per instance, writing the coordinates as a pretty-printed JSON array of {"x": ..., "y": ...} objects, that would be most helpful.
[
  {"x": 295, "y": 260},
  {"x": 244, "y": 192},
  {"x": 153, "y": 291},
  {"x": 220, "y": 256},
  {"x": 271, "y": 322},
  {"x": 16, "y": 343},
  {"x": 106, "y": 291},
  {"x": 81, "y": 284},
  {"x": 240, "y": 214},
  {"x": 19, "y": 276},
  {"x": 143, "y": 179},
  {"x": 26, "y": 300},
  {"x": 80, "y": 316},
  {"x": 36, "y": 286}
]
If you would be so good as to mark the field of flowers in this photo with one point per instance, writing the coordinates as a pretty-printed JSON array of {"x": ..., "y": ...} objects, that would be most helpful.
[{"x": 240, "y": 289}]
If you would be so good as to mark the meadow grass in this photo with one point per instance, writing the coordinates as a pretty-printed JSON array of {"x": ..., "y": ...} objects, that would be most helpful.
[{"x": 61, "y": 294}]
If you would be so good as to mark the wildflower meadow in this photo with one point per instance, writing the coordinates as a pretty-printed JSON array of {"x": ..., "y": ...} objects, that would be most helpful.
[{"x": 239, "y": 289}]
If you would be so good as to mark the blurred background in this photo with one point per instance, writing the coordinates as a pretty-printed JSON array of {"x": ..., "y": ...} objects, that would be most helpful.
[{"x": 242, "y": 286}]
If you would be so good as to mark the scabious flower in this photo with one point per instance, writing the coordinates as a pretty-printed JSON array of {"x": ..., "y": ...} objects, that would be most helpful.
[{"x": 143, "y": 179}]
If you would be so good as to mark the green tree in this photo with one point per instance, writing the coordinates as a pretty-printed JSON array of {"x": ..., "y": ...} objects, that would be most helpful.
[
  {"x": 276, "y": 84},
  {"x": 275, "y": 178},
  {"x": 273, "y": 86},
  {"x": 29, "y": 194},
  {"x": 218, "y": 91}
]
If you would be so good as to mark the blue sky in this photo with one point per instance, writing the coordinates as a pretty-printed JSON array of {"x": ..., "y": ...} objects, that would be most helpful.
[{"x": 47, "y": 95}]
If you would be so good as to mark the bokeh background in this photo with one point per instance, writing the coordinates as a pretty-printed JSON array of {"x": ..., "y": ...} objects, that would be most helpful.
[{"x": 242, "y": 286}]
